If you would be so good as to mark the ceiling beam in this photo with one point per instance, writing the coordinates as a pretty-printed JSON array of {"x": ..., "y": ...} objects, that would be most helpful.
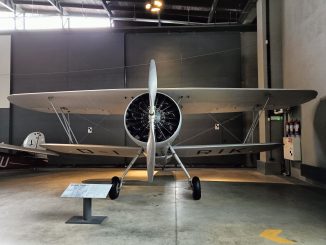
[
  {"x": 114, "y": 6},
  {"x": 56, "y": 5},
  {"x": 185, "y": 8},
  {"x": 165, "y": 6},
  {"x": 106, "y": 6},
  {"x": 30, "y": 2},
  {"x": 82, "y": 6},
  {"x": 173, "y": 6},
  {"x": 176, "y": 22},
  {"x": 53, "y": 3},
  {"x": 249, "y": 13},
  {"x": 212, "y": 11},
  {"x": 62, "y": 4},
  {"x": 190, "y": 28},
  {"x": 8, "y": 4}
]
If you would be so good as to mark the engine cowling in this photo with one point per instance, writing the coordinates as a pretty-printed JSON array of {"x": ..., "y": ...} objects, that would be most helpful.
[{"x": 167, "y": 119}]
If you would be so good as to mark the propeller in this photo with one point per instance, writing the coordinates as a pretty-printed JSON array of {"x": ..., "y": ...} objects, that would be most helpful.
[{"x": 151, "y": 147}]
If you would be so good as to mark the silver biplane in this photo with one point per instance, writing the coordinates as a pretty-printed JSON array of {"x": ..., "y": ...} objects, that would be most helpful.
[{"x": 153, "y": 119}]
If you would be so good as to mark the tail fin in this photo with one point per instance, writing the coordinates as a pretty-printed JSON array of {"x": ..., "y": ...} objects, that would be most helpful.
[{"x": 34, "y": 141}]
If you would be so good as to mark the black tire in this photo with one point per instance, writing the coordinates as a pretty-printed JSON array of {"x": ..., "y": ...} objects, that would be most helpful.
[
  {"x": 115, "y": 189},
  {"x": 196, "y": 188}
]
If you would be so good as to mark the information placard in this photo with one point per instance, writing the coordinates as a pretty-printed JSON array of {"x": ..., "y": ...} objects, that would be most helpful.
[{"x": 87, "y": 190}]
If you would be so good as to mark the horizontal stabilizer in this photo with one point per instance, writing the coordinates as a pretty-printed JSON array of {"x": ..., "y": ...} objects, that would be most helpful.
[
  {"x": 25, "y": 149},
  {"x": 95, "y": 150},
  {"x": 192, "y": 100},
  {"x": 222, "y": 150}
]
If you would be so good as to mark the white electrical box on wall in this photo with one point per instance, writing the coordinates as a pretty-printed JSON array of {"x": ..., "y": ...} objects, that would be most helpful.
[{"x": 292, "y": 148}]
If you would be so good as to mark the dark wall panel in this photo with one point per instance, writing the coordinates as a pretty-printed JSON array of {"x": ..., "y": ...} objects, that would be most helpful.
[
  {"x": 59, "y": 60},
  {"x": 100, "y": 55},
  {"x": 185, "y": 59},
  {"x": 39, "y": 61}
]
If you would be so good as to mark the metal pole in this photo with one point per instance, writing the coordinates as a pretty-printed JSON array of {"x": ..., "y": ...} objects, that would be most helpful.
[
  {"x": 252, "y": 135},
  {"x": 67, "y": 123},
  {"x": 254, "y": 124},
  {"x": 87, "y": 208}
]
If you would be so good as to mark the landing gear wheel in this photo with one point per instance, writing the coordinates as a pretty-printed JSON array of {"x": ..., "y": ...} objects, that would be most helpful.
[
  {"x": 196, "y": 189},
  {"x": 115, "y": 189}
]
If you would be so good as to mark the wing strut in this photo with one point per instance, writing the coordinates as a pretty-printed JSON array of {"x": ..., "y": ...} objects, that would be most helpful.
[
  {"x": 255, "y": 121},
  {"x": 65, "y": 122}
]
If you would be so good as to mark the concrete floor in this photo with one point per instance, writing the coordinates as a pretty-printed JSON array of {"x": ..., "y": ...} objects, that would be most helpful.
[{"x": 236, "y": 207}]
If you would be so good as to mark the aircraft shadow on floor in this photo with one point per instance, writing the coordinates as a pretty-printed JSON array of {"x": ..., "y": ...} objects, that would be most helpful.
[{"x": 162, "y": 178}]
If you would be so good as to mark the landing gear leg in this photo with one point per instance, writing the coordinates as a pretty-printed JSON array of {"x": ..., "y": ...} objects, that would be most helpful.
[
  {"x": 117, "y": 182},
  {"x": 193, "y": 182}
]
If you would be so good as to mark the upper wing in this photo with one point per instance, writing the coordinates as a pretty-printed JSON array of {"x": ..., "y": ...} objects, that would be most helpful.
[
  {"x": 192, "y": 100},
  {"x": 106, "y": 101},
  {"x": 220, "y": 100},
  {"x": 219, "y": 150},
  {"x": 25, "y": 149},
  {"x": 96, "y": 150}
]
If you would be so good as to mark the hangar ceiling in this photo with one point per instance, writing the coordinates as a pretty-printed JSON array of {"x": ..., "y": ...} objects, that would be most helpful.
[{"x": 133, "y": 12}]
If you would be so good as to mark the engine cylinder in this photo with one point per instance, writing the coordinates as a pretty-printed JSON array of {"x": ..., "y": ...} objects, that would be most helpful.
[{"x": 167, "y": 119}]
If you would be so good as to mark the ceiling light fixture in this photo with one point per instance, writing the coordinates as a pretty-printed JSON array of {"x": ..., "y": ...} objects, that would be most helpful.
[
  {"x": 154, "y": 6},
  {"x": 148, "y": 6},
  {"x": 158, "y": 3},
  {"x": 155, "y": 10}
]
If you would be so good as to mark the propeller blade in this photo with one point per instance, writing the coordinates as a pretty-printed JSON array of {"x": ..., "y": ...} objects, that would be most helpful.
[
  {"x": 152, "y": 86},
  {"x": 151, "y": 145},
  {"x": 151, "y": 151}
]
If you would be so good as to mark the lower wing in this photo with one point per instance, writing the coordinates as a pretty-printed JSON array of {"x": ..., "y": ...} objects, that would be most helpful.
[
  {"x": 95, "y": 150},
  {"x": 25, "y": 149},
  {"x": 220, "y": 150},
  {"x": 182, "y": 151}
]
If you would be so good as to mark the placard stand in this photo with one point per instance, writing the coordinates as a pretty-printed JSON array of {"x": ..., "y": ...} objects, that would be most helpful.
[
  {"x": 87, "y": 217},
  {"x": 87, "y": 192}
]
